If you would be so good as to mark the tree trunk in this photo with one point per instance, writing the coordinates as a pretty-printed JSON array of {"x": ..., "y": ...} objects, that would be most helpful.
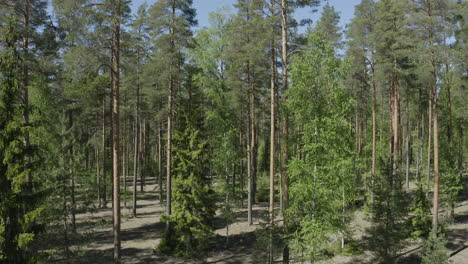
[
  {"x": 249, "y": 171},
  {"x": 272, "y": 140},
  {"x": 272, "y": 129},
  {"x": 98, "y": 180},
  {"x": 142, "y": 154},
  {"x": 285, "y": 157},
  {"x": 449, "y": 125},
  {"x": 125, "y": 163},
  {"x": 160, "y": 171},
  {"x": 135, "y": 168},
  {"x": 104, "y": 187},
  {"x": 170, "y": 110},
  {"x": 449, "y": 101},
  {"x": 169, "y": 154},
  {"x": 407, "y": 148},
  {"x": 374, "y": 137},
  {"x": 420, "y": 137},
  {"x": 72, "y": 175},
  {"x": 115, "y": 132},
  {"x": 435, "y": 203},
  {"x": 429, "y": 135},
  {"x": 253, "y": 141},
  {"x": 25, "y": 84}
]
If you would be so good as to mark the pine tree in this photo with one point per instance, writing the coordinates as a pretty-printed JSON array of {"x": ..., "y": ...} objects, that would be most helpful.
[
  {"x": 386, "y": 236},
  {"x": 364, "y": 74},
  {"x": 328, "y": 25},
  {"x": 16, "y": 217},
  {"x": 194, "y": 200},
  {"x": 171, "y": 21}
]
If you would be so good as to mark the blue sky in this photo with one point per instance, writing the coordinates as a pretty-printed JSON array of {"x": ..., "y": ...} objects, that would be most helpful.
[{"x": 205, "y": 7}]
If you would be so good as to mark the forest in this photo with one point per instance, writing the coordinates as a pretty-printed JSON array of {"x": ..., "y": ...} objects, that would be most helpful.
[{"x": 129, "y": 134}]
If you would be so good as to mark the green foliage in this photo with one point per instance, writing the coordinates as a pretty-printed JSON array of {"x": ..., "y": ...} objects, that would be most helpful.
[
  {"x": 267, "y": 236},
  {"x": 390, "y": 227},
  {"x": 421, "y": 210},
  {"x": 17, "y": 198},
  {"x": 328, "y": 26},
  {"x": 353, "y": 248},
  {"x": 451, "y": 186},
  {"x": 193, "y": 199},
  {"x": 321, "y": 178},
  {"x": 434, "y": 251}
]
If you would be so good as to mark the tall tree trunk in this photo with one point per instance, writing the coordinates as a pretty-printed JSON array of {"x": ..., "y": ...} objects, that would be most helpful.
[
  {"x": 135, "y": 168},
  {"x": 72, "y": 175},
  {"x": 435, "y": 202},
  {"x": 429, "y": 140},
  {"x": 249, "y": 161},
  {"x": 142, "y": 154},
  {"x": 115, "y": 132},
  {"x": 395, "y": 116},
  {"x": 272, "y": 129},
  {"x": 449, "y": 101},
  {"x": 125, "y": 162},
  {"x": 169, "y": 154},
  {"x": 407, "y": 148},
  {"x": 98, "y": 169},
  {"x": 449, "y": 125},
  {"x": 374, "y": 136},
  {"x": 433, "y": 106},
  {"x": 25, "y": 83},
  {"x": 136, "y": 162},
  {"x": 160, "y": 171},
  {"x": 420, "y": 137},
  {"x": 104, "y": 139},
  {"x": 285, "y": 156},
  {"x": 170, "y": 110},
  {"x": 272, "y": 138},
  {"x": 253, "y": 141},
  {"x": 98, "y": 178}
]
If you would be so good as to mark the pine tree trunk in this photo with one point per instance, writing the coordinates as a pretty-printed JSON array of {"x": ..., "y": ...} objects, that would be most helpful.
[
  {"x": 272, "y": 129},
  {"x": 104, "y": 187},
  {"x": 27, "y": 141},
  {"x": 125, "y": 162},
  {"x": 142, "y": 155},
  {"x": 435, "y": 202},
  {"x": 160, "y": 171},
  {"x": 169, "y": 155},
  {"x": 135, "y": 167},
  {"x": 136, "y": 162},
  {"x": 115, "y": 132},
  {"x": 72, "y": 176},
  {"x": 285, "y": 156},
  {"x": 374, "y": 136},
  {"x": 449, "y": 125},
  {"x": 170, "y": 105},
  {"x": 98, "y": 178},
  {"x": 272, "y": 140},
  {"x": 249, "y": 169},
  {"x": 408, "y": 137},
  {"x": 98, "y": 169},
  {"x": 420, "y": 137},
  {"x": 253, "y": 142},
  {"x": 429, "y": 140}
]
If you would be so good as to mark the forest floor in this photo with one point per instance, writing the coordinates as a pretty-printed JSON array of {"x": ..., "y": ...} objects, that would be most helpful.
[{"x": 93, "y": 242}]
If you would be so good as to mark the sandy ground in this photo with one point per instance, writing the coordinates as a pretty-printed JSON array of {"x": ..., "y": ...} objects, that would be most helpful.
[
  {"x": 93, "y": 242},
  {"x": 141, "y": 235}
]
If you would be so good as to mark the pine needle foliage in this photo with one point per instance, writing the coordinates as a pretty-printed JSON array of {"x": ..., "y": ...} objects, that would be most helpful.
[
  {"x": 193, "y": 199},
  {"x": 386, "y": 236}
]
